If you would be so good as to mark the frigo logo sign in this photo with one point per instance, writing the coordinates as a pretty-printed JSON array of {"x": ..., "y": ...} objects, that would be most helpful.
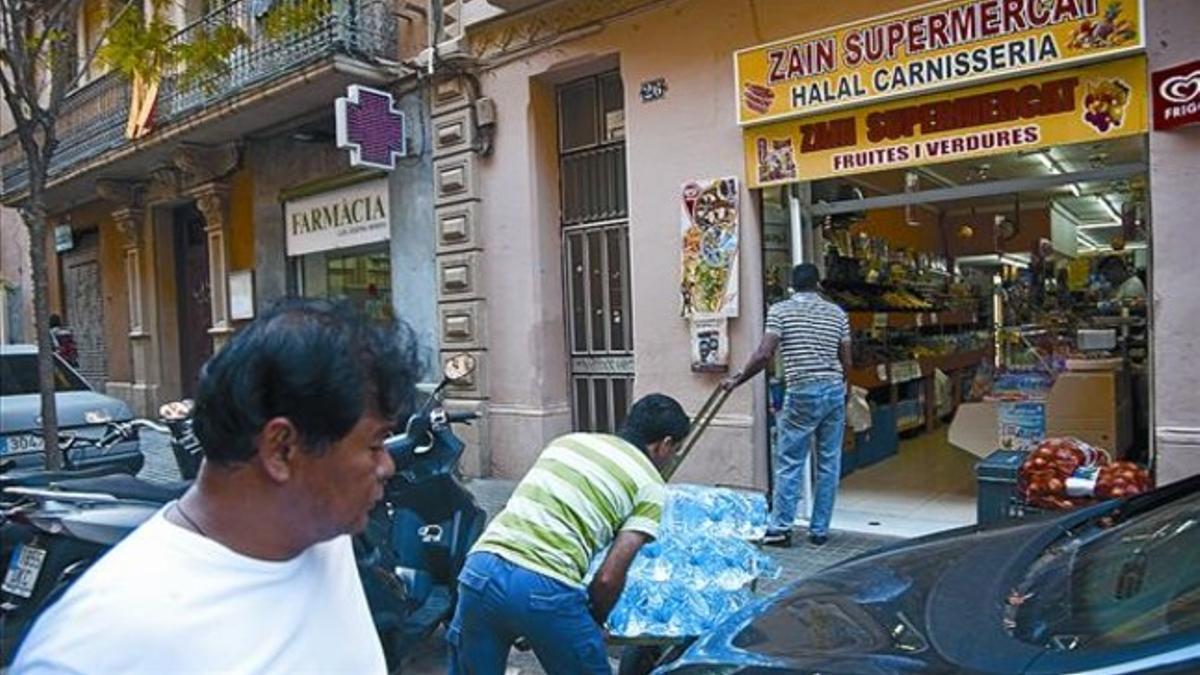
[
  {"x": 1094, "y": 103},
  {"x": 349, "y": 216},
  {"x": 932, "y": 47},
  {"x": 1177, "y": 96}
]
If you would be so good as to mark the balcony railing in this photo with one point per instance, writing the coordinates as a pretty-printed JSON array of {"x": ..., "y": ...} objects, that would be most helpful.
[{"x": 93, "y": 118}]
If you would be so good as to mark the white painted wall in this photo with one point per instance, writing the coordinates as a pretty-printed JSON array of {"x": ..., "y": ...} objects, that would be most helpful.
[{"x": 1174, "y": 38}]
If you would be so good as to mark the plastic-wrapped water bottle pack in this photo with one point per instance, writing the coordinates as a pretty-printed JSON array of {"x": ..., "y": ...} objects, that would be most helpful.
[
  {"x": 700, "y": 568},
  {"x": 717, "y": 511}
]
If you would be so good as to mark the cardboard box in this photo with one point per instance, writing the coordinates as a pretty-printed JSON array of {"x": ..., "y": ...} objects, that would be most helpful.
[
  {"x": 1095, "y": 407},
  {"x": 975, "y": 428}
]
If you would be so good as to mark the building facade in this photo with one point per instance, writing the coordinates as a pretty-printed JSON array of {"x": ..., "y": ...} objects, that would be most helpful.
[
  {"x": 174, "y": 225},
  {"x": 540, "y": 219},
  {"x": 559, "y": 249}
]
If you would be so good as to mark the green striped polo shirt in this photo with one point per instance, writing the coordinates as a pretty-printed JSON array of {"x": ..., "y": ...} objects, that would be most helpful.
[{"x": 582, "y": 490}]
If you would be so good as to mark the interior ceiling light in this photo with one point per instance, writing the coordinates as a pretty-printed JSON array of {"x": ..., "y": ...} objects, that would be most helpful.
[
  {"x": 912, "y": 183},
  {"x": 1116, "y": 213}
]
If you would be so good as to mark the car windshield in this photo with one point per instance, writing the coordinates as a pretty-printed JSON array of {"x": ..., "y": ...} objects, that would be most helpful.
[
  {"x": 18, "y": 375},
  {"x": 1115, "y": 582}
]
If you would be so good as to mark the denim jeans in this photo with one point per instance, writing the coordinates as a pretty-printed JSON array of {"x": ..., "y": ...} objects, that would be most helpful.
[
  {"x": 812, "y": 411},
  {"x": 499, "y": 602}
]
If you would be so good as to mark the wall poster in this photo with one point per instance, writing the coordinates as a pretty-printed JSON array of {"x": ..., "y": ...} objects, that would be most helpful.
[
  {"x": 709, "y": 223},
  {"x": 710, "y": 344}
]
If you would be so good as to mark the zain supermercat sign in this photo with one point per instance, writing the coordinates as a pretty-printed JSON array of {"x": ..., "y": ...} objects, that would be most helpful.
[{"x": 940, "y": 45}]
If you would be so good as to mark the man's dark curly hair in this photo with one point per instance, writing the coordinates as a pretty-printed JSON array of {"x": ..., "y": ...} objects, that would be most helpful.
[{"x": 319, "y": 363}]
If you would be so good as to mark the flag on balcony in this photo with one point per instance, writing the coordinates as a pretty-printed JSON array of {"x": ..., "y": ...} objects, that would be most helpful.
[{"x": 142, "y": 99}]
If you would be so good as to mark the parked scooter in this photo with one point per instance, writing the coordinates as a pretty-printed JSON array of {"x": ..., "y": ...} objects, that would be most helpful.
[
  {"x": 409, "y": 555},
  {"x": 419, "y": 534},
  {"x": 48, "y": 536}
]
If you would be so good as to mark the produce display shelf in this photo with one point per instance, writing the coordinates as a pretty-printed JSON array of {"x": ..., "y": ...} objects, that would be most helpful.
[
  {"x": 868, "y": 377},
  {"x": 865, "y": 320}
]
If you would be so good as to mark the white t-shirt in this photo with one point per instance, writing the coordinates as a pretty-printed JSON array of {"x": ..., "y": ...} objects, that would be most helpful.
[
  {"x": 167, "y": 600},
  {"x": 1132, "y": 289}
]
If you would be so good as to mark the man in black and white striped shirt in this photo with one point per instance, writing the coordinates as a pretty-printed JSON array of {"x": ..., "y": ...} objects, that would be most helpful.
[{"x": 813, "y": 338}]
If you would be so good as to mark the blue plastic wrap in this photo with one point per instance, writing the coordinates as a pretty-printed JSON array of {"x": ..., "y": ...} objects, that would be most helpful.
[{"x": 700, "y": 568}]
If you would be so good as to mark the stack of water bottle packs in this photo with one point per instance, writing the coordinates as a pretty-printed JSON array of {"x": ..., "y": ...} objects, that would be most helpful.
[{"x": 701, "y": 567}]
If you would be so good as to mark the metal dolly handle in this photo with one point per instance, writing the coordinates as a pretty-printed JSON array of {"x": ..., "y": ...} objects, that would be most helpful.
[{"x": 703, "y": 417}]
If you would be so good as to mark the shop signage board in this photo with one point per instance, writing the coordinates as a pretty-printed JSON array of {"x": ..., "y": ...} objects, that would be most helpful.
[
  {"x": 350, "y": 216},
  {"x": 64, "y": 238},
  {"x": 940, "y": 45},
  {"x": 371, "y": 127},
  {"x": 1093, "y": 103},
  {"x": 1176, "y": 96}
]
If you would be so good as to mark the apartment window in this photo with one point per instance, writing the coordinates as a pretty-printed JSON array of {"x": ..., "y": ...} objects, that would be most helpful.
[{"x": 94, "y": 19}]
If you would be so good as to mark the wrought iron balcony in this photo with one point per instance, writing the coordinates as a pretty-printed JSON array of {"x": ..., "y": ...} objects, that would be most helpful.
[{"x": 94, "y": 117}]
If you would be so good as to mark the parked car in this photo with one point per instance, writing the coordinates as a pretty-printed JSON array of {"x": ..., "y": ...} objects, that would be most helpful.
[
  {"x": 1112, "y": 588},
  {"x": 82, "y": 412}
]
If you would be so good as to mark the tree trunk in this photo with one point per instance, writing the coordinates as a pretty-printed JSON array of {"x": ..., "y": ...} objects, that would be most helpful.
[{"x": 35, "y": 220}]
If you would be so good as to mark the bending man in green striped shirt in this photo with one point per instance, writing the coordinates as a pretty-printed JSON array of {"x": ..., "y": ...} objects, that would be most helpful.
[{"x": 524, "y": 578}]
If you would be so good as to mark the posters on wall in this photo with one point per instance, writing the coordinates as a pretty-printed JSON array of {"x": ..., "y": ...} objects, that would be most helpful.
[
  {"x": 1092, "y": 103},
  {"x": 710, "y": 344},
  {"x": 709, "y": 224},
  {"x": 935, "y": 46}
]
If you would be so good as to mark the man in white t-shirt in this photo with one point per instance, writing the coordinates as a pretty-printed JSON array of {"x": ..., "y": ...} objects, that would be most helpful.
[
  {"x": 252, "y": 570},
  {"x": 1126, "y": 287}
]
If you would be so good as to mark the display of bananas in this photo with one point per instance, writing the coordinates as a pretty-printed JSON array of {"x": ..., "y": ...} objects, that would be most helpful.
[{"x": 901, "y": 299}]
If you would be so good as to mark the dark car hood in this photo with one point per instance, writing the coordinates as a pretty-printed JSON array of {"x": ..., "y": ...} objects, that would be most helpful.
[
  {"x": 20, "y": 414},
  {"x": 931, "y": 605}
]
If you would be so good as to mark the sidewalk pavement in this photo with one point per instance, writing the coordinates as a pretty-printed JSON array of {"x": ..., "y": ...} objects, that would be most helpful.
[{"x": 798, "y": 562}]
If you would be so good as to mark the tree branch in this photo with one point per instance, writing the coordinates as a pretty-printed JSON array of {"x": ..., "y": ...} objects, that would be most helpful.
[
  {"x": 52, "y": 17},
  {"x": 15, "y": 78},
  {"x": 92, "y": 53}
]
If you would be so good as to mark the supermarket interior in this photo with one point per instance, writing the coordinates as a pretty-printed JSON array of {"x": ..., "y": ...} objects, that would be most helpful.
[{"x": 995, "y": 305}]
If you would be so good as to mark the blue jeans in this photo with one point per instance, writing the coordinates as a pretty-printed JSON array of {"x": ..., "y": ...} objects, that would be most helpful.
[
  {"x": 813, "y": 410},
  {"x": 499, "y": 602}
]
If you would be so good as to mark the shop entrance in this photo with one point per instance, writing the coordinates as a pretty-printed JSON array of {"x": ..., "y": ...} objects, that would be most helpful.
[
  {"x": 595, "y": 250},
  {"x": 84, "y": 305},
  {"x": 194, "y": 295},
  {"x": 1021, "y": 276}
]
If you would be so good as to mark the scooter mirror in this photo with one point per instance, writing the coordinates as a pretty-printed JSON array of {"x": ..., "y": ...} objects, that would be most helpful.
[{"x": 458, "y": 367}]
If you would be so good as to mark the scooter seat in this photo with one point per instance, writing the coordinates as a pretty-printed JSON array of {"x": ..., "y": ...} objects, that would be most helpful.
[
  {"x": 42, "y": 477},
  {"x": 124, "y": 486}
]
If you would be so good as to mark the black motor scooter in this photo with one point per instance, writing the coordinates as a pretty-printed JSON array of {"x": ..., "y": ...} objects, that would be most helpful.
[
  {"x": 409, "y": 555},
  {"x": 49, "y": 537},
  {"x": 419, "y": 534}
]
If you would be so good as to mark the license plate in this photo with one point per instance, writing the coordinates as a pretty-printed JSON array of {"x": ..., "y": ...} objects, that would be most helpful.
[
  {"x": 22, "y": 443},
  {"x": 23, "y": 570}
]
